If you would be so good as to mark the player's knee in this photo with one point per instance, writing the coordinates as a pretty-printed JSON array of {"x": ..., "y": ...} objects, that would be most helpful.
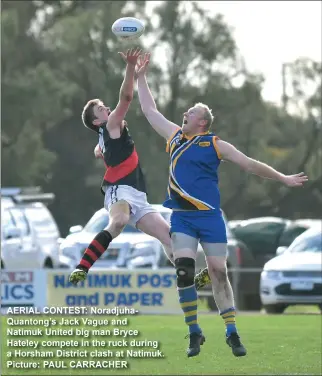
[
  {"x": 119, "y": 220},
  {"x": 185, "y": 269}
]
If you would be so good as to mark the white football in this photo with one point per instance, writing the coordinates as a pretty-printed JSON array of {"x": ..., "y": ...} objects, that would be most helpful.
[{"x": 128, "y": 28}]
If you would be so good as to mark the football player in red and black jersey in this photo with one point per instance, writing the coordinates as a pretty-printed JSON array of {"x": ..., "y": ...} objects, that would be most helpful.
[{"x": 123, "y": 185}]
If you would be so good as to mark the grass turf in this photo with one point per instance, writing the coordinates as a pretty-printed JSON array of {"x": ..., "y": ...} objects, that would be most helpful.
[{"x": 285, "y": 344}]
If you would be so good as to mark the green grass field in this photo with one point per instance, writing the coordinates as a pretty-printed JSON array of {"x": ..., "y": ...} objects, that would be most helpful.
[{"x": 285, "y": 344}]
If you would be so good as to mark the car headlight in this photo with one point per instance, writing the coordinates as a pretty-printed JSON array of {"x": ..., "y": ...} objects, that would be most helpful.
[{"x": 272, "y": 274}]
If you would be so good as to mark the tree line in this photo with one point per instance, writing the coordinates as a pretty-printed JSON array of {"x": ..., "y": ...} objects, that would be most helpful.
[{"x": 56, "y": 55}]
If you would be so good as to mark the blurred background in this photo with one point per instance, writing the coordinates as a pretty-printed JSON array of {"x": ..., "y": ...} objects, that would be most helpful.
[{"x": 256, "y": 64}]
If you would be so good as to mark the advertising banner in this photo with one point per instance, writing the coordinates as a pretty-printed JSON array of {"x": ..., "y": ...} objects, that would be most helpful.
[
  {"x": 23, "y": 289},
  {"x": 148, "y": 291}
]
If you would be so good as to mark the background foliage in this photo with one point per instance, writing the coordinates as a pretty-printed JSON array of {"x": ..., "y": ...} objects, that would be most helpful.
[{"x": 56, "y": 55}]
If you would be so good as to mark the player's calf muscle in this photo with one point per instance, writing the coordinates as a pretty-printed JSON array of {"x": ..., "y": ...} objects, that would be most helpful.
[{"x": 222, "y": 290}]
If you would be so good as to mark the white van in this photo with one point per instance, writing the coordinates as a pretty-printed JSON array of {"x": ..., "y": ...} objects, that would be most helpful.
[{"x": 29, "y": 233}]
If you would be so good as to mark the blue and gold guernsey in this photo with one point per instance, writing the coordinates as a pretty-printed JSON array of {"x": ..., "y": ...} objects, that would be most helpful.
[{"x": 193, "y": 178}]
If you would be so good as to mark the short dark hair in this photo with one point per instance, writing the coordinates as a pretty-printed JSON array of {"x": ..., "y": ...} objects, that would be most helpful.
[{"x": 88, "y": 114}]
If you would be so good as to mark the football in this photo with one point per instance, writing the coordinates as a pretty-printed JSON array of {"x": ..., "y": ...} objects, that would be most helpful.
[{"x": 128, "y": 28}]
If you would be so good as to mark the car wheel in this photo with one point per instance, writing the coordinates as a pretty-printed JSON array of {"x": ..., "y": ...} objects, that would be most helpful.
[
  {"x": 169, "y": 264},
  {"x": 249, "y": 302},
  {"x": 48, "y": 264},
  {"x": 163, "y": 261},
  {"x": 212, "y": 304},
  {"x": 2, "y": 265},
  {"x": 255, "y": 303},
  {"x": 275, "y": 308}
]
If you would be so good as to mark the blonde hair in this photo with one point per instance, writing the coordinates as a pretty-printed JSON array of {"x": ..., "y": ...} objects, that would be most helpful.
[{"x": 207, "y": 114}]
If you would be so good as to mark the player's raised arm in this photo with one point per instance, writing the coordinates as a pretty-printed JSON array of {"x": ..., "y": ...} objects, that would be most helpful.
[
  {"x": 126, "y": 91},
  {"x": 160, "y": 124},
  {"x": 230, "y": 153}
]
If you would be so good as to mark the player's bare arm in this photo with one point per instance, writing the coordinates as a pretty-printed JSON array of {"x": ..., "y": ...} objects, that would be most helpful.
[
  {"x": 159, "y": 123},
  {"x": 126, "y": 92},
  {"x": 230, "y": 153}
]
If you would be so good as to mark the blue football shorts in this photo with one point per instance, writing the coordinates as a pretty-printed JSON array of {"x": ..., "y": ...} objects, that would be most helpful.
[{"x": 207, "y": 226}]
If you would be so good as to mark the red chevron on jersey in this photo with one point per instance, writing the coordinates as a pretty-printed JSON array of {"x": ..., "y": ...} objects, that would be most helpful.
[{"x": 116, "y": 173}]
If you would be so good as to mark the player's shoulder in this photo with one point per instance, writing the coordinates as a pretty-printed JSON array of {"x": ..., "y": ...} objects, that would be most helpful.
[
  {"x": 208, "y": 137},
  {"x": 177, "y": 132},
  {"x": 124, "y": 132},
  {"x": 174, "y": 135}
]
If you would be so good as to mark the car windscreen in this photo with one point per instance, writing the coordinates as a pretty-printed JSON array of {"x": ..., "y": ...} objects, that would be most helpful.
[
  {"x": 42, "y": 221},
  {"x": 312, "y": 243}
]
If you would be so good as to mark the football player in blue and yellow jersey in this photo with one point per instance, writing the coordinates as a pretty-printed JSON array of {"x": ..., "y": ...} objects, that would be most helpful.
[{"x": 193, "y": 195}]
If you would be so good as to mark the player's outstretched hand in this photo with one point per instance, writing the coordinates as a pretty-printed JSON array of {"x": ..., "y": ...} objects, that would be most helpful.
[
  {"x": 296, "y": 180},
  {"x": 131, "y": 56},
  {"x": 142, "y": 65}
]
